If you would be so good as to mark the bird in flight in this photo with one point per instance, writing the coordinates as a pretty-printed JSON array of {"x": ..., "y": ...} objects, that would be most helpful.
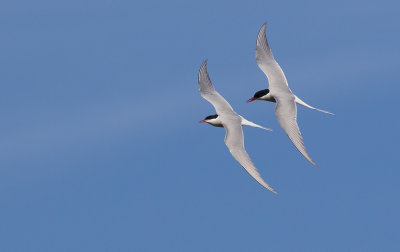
[
  {"x": 280, "y": 93},
  {"x": 232, "y": 122}
]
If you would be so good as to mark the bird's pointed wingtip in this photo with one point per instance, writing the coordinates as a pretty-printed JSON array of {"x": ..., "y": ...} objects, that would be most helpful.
[
  {"x": 275, "y": 192},
  {"x": 204, "y": 64},
  {"x": 264, "y": 26},
  {"x": 326, "y": 112},
  {"x": 203, "y": 68},
  {"x": 262, "y": 32},
  {"x": 268, "y": 187},
  {"x": 310, "y": 160}
]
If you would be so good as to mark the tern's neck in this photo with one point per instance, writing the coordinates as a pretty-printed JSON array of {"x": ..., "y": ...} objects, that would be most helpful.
[
  {"x": 215, "y": 122},
  {"x": 268, "y": 97}
]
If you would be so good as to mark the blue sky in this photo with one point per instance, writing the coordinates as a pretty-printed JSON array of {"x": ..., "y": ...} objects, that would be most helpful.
[{"x": 101, "y": 149}]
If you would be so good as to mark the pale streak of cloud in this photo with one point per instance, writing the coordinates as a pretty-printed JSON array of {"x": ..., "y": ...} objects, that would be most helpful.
[{"x": 87, "y": 127}]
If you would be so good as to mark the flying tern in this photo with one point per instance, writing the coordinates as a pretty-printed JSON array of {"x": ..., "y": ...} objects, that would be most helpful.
[
  {"x": 232, "y": 122},
  {"x": 279, "y": 92}
]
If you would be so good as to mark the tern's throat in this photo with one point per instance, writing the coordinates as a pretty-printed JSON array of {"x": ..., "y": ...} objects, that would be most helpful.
[
  {"x": 215, "y": 122},
  {"x": 268, "y": 97}
]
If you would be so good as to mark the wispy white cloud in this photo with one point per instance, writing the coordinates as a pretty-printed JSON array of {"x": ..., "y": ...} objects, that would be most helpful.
[{"x": 87, "y": 127}]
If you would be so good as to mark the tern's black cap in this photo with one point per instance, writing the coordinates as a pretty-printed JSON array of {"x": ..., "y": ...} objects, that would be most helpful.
[
  {"x": 261, "y": 93},
  {"x": 211, "y": 117}
]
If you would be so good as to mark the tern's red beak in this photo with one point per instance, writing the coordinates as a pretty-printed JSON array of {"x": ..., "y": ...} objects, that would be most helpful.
[
  {"x": 202, "y": 121},
  {"x": 251, "y": 99}
]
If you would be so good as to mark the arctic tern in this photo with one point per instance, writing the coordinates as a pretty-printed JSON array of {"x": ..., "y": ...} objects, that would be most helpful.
[
  {"x": 232, "y": 122},
  {"x": 279, "y": 92}
]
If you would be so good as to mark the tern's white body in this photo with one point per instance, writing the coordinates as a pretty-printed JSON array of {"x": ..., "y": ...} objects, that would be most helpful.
[
  {"x": 232, "y": 122},
  {"x": 279, "y": 92}
]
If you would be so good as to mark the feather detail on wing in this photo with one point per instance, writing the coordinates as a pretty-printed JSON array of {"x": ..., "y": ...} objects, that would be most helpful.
[
  {"x": 234, "y": 140},
  {"x": 286, "y": 112},
  {"x": 210, "y": 94},
  {"x": 267, "y": 64}
]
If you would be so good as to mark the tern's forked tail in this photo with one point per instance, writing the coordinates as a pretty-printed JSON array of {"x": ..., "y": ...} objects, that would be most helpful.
[
  {"x": 299, "y": 101},
  {"x": 248, "y": 123}
]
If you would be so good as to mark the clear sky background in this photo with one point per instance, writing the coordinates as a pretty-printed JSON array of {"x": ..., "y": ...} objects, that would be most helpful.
[{"x": 100, "y": 149}]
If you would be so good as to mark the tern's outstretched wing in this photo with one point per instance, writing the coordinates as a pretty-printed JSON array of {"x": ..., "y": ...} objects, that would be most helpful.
[
  {"x": 267, "y": 64},
  {"x": 235, "y": 141},
  {"x": 208, "y": 92},
  {"x": 286, "y": 112}
]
